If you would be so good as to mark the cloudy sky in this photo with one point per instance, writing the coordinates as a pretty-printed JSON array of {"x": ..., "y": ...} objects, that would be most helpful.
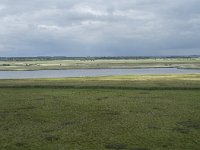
[{"x": 99, "y": 27}]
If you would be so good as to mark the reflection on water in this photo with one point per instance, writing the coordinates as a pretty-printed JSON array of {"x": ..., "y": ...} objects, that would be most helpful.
[{"x": 91, "y": 72}]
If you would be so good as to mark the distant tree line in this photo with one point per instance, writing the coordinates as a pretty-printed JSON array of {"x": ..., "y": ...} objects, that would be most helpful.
[{"x": 44, "y": 58}]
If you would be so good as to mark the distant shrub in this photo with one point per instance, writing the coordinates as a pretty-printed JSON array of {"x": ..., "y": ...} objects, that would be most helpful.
[{"x": 5, "y": 64}]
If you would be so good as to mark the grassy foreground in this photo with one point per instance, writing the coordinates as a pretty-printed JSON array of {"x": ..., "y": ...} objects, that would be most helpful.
[{"x": 102, "y": 113}]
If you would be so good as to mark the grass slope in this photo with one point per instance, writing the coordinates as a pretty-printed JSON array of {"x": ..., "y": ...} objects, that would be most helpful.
[{"x": 105, "y": 113}]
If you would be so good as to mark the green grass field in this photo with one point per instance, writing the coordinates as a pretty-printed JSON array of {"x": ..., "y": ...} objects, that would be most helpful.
[
  {"x": 157, "y": 112},
  {"x": 193, "y": 63}
]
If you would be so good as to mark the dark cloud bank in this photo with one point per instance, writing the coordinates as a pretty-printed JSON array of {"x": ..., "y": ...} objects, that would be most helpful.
[{"x": 99, "y": 28}]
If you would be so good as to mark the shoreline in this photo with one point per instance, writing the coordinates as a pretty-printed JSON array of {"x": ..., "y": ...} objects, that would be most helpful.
[{"x": 100, "y": 68}]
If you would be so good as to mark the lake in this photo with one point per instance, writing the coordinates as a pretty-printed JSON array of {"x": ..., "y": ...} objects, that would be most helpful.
[{"x": 91, "y": 72}]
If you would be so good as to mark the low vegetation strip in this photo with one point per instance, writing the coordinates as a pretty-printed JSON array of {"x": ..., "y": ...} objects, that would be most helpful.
[
  {"x": 37, "y": 64},
  {"x": 101, "y": 87},
  {"x": 143, "y": 82}
]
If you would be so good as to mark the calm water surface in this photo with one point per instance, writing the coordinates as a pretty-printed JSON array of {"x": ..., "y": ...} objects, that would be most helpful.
[{"x": 91, "y": 72}]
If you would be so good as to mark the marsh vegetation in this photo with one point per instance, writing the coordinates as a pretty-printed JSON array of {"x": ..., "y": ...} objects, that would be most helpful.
[
  {"x": 103, "y": 113},
  {"x": 36, "y": 64}
]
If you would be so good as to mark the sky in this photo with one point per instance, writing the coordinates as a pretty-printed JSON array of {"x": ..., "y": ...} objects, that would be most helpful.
[{"x": 99, "y": 27}]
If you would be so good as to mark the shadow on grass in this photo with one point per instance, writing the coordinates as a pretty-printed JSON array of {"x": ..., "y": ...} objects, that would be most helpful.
[
  {"x": 190, "y": 124},
  {"x": 115, "y": 146},
  {"x": 51, "y": 138},
  {"x": 185, "y": 127}
]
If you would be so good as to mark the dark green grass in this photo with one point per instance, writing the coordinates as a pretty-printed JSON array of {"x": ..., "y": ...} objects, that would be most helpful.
[{"x": 99, "y": 118}]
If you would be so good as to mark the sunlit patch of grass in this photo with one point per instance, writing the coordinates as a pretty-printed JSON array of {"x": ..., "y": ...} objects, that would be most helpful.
[{"x": 191, "y": 81}]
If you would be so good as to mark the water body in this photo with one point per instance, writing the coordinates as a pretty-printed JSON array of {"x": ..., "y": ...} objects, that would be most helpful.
[{"x": 91, "y": 72}]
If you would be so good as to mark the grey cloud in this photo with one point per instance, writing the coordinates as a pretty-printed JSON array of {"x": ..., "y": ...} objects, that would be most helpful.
[{"x": 76, "y": 28}]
